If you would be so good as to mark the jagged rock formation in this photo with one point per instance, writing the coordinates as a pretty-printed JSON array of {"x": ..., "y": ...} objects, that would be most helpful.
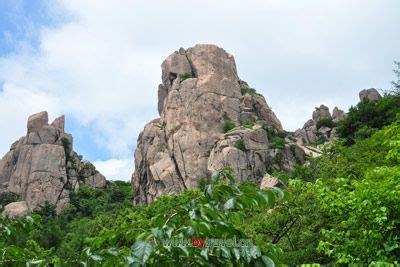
[
  {"x": 371, "y": 94},
  {"x": 312, "y": 133},
  {"x": 200, "y": 98},
  {"x": 338, "y": 114},
  {"x": 42, "y": 167}
]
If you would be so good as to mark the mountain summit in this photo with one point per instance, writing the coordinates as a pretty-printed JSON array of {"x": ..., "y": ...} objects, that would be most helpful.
[
  {"x": 42, "y": 168},
  {"x": 209, "y": 119}
]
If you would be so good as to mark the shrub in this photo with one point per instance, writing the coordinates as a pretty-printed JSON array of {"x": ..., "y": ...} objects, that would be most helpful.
[
  {"x": 6, "y": 198},
  {"x": 215, "y": 212},
  {"x": 248, "y": 124},
  {"x": 325, "y": 122},
  {"x": 239, "y": 144},
  {"x": 248, "y": 90},
  {"x": 369, "y": 114},
  {"x": 277, "y": 142},
  {"x": 228, "y": 125},
  {"x": 185, "y": 76}
]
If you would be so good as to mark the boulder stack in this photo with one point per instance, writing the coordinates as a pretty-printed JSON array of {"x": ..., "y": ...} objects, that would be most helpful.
[
  {"x": 42, "y": 168},
  {"x": 319, "y": 129}
]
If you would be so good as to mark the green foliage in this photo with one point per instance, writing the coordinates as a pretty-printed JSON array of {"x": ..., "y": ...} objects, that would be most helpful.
[
  {"x": 215, "y": 212},
  {"x": 365, "y": 211},
  {"x": 293, "y": 225},
  {"x": 276, "y": 138},
  {"x": 343, "y": 206},
  {"x": 228, "y": 125},
  {"x": 239, "y": 144},
  {"x": 277, "y": 142},
  {"x": 369, "y": 115},
  {"x": 247, "y": 124},
  {"x": 17, "y": 247},
  {"x": 246, "y": 89},
  {"x": 7, "y": 198},
  {"x": 325, "y": 122},
  {"x": 185, "y": 76}
]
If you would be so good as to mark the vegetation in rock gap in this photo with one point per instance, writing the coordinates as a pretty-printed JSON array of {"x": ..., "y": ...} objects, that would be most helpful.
[
  {"x": 228, "y": 125},
  {"x": 185, "y": 76},
  {"x": 239, "y": 144},
  {"x": 325, "y": 122},
  {"x": 245, "y": 89},
  {"x": 248, "y": 124}
]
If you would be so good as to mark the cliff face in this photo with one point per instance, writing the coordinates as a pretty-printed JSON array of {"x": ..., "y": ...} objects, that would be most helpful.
[
  {"x": 42, "y": 167},
  {"x": 209, "y": 119}
]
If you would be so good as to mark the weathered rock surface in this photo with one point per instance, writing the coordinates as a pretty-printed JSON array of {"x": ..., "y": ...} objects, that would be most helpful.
[
  {"x": 371, "y": 94},
  {"x": 338, "y": 114},
  {"x": 269, "y": 181},
  {"x": 42, "y": 167},
  {"x": 16, "y": 209},
  {"x": 321, "y": 112},
  {"x": 201, "y": 91}
]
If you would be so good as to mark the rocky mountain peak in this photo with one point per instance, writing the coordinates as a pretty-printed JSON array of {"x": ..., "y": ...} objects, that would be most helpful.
[
  {"x": 42, "y": 168},
  {"x": 209, "y": 119},
  {"x": 371, "y": 94},
  {"x": 320, "y": 129}
]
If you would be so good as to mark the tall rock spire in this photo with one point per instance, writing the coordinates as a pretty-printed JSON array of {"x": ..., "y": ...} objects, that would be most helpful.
[
  {"x": 200, "y": 95},
  {"x": 42, "y": 167}
]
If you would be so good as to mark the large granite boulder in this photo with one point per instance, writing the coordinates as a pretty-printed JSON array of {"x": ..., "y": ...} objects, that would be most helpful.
[
  {"x": 201, "y": 91},
  {"x": 338, "y": 114},
  {"x": 42, "y": 167},
  {"x": 321, "y": 112},
  {"x": 371, "y": 94},
  {"x": 16, "y": 210}
]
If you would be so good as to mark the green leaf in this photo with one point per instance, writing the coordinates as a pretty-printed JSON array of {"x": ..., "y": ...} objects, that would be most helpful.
[
  {"x": 204, "y": 253},
  {"x": 226, "y": 253},
  {"x": 390, "y": 246},
  {"x": 267, "y": 261},
  {"x": 184, "y": 249},
  {"x": 96, "y": 257},
  {"x": 236, "y": 253},
  {"x": 230, "y": 204},
  {"x": 255, "y": 252},
  {"x": 215, "y": 176},
  {"x": 142, "y": 251}
]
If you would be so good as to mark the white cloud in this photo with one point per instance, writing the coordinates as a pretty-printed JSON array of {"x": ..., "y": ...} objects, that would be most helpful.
[
  {"x": 102, "y": 66},
  {"x": 115, "y": 169},
  {"x": 16, "y": 104}
]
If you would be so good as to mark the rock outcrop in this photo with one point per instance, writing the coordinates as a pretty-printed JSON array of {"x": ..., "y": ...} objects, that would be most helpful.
[
  {"x": 209, "y": 119},
  {"x": 42, "y": 167},
  {"x": 371, "y": 94},
  {"x": 314, "y": 132}
]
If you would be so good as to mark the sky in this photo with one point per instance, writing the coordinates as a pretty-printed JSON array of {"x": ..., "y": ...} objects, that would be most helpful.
[{"x": 98, "y": 62}]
